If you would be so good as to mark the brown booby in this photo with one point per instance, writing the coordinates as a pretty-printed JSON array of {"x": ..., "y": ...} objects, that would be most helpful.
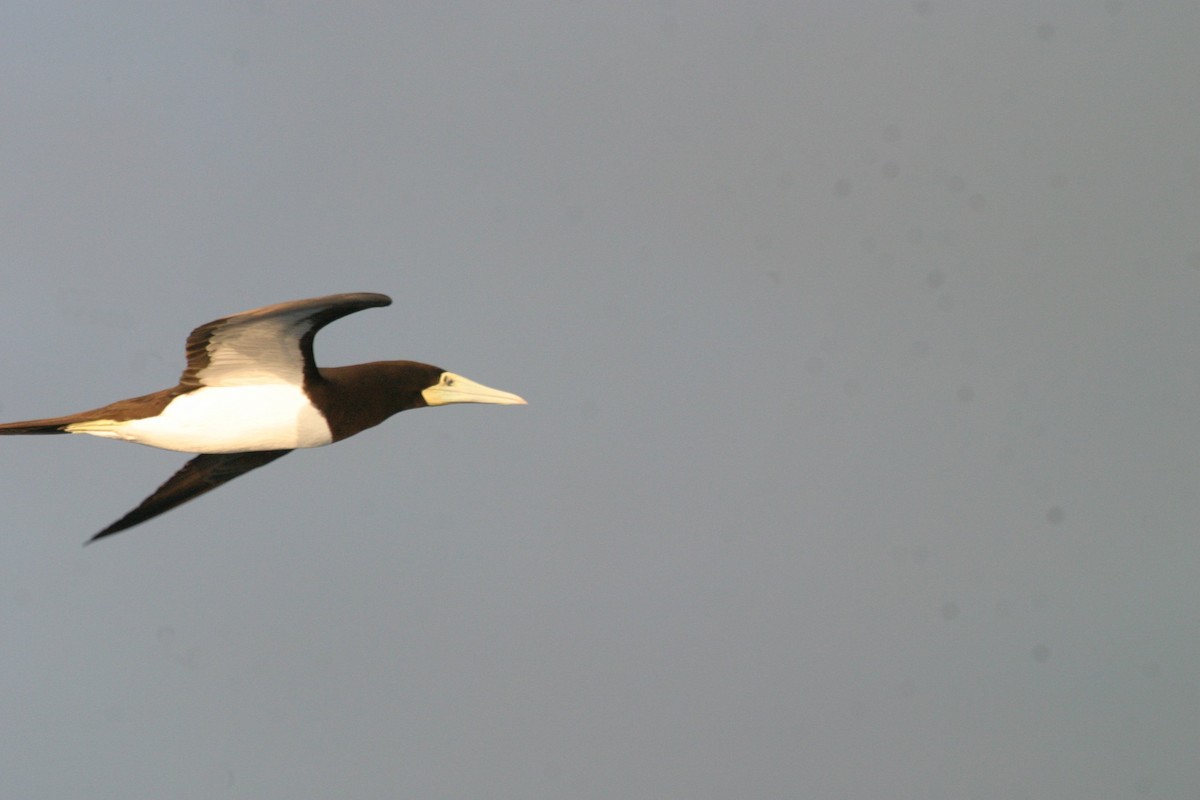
[{"x": 252, "y": 392}]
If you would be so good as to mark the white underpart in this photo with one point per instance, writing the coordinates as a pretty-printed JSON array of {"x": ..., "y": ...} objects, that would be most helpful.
[{"x": 225, "y": 419}]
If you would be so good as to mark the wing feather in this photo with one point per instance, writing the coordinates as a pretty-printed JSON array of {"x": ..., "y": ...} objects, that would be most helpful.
[
  {"x": 272, "y": 344},
  {"x": 202, "y": 474}
]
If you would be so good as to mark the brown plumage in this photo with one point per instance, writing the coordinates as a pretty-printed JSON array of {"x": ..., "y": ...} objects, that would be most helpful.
[{"x": 252, "y": 392}]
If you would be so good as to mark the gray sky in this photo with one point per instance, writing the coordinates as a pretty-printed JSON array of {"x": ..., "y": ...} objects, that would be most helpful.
[{"x": 860, "y": 345}]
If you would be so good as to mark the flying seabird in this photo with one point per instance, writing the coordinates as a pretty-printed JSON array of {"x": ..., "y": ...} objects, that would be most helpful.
[{"x": 251, "y": 392}]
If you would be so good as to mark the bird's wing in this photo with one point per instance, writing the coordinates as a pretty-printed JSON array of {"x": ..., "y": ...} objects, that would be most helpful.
[
  {"x": 272, "y": 344},
  {"x": 202, "y": 474}
]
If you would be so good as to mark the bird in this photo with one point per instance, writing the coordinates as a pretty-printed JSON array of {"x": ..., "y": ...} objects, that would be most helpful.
[{"x": 252, "y": 393}]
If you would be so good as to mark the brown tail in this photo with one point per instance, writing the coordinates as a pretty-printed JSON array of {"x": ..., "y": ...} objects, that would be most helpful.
[
  {"x": 133, "y": 408},
  {"x": 50, "y": 425}
]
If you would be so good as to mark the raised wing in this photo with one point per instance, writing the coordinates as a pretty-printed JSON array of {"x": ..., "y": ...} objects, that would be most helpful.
[
  {"x": 272, "y": 344},
  {"x": 202, "y": 474}
]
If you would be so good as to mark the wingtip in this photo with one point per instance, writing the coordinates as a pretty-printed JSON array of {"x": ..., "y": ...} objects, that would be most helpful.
[{"x": 106, "y": 532}]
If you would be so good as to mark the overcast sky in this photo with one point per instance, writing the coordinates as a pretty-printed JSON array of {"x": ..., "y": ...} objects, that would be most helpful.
[{"x": 860, "y": 342}]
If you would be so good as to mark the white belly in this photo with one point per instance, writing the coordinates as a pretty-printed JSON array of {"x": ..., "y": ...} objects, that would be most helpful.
[{"x": 225, "y": 419}]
